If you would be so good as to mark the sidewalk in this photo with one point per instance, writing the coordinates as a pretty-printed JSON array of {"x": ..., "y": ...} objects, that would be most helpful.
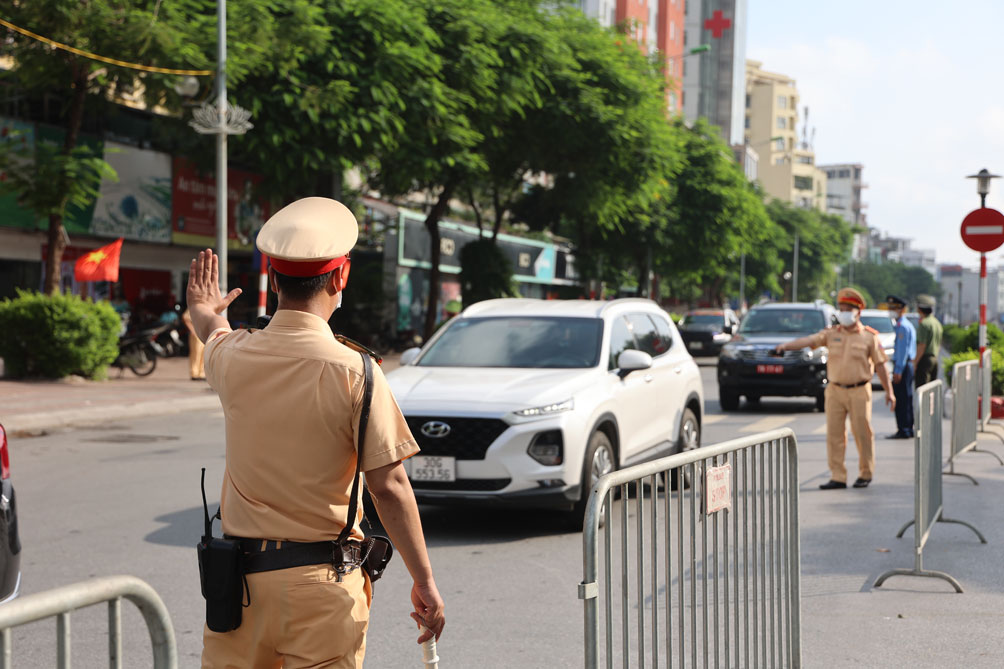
[{"x": 29, "y": 408}]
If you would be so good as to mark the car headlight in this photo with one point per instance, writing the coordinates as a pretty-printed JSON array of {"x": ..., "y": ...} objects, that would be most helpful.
[
  {"x": 814, "y": 355},
  {"x": 730, "y": 351},
  {"x": 546, "y": 410},
  {"x": 719, "y": 336}
]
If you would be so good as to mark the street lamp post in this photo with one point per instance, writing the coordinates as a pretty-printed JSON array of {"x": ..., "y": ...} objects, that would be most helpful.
[
  {"x": 983, "y": 178},
  {"x": 222, "y": 120},
  {"x": 794, "y": 273}
]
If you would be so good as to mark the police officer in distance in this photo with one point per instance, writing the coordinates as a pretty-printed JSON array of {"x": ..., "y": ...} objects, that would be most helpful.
[
  {"x": 929, "y": 336},
  {"x": 292, "y": 397},
  {"x": 855, "y": 354},
  {"x": 903, "y": 359}
]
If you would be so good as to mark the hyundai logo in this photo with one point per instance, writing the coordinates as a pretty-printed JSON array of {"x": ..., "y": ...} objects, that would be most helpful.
[{"x": 435, "y": 429}]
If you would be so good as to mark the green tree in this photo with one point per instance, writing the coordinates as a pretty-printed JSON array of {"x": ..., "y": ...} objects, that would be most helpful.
[
  {"x": 138, "y": 31},
  {"x": 894, "y": 278},
  {"x": 824, "y": 241},
  {"x": 716, "y": 216},
  {"x": 611, "y": 154}
]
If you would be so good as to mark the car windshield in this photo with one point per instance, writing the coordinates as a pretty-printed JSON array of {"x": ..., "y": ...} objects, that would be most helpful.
[
  {"x": 524, "y": 342},
  {"x": 702, "y": 319},
  {"x": 882, "y": 324},
  {"x": 794, "y": 321}
]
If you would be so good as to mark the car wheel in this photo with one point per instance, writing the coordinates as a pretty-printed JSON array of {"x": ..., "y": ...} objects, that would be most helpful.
[
  {"x": 599, "y": 460},
  {"x": 821, "y": 402},
  {"x": 689, "y": 440},
  {"x": 729, "y": 400}
]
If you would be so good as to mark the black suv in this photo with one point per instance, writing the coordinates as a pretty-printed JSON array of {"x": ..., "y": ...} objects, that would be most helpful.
[
  {"x": 706, "y": 331},
  {"x": 748, "y": 365}
]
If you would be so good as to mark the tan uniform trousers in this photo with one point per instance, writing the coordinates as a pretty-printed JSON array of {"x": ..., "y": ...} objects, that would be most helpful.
[
  {"x": 299, "y": 618},
  {"x": 856, "y": 403},
  {"x": 196, "y": 365}
]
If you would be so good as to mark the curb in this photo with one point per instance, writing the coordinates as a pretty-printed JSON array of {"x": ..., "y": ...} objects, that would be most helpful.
[{"x": 48, "y": 420}]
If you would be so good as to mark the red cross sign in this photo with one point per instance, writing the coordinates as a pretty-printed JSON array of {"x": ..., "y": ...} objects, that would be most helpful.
[{"x": 717, "y": 24}]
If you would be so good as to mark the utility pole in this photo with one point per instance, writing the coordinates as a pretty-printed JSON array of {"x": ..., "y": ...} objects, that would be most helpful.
[
  {"x": 742, "y": 282},
  {"x": 221, "y": 119},
  {"x": 794, "y": 273}
]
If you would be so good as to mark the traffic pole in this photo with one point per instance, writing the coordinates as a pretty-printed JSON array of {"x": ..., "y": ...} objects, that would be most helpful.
[
  {"x": 263, "y": 286},
  {"x": 983, "y": 305}
]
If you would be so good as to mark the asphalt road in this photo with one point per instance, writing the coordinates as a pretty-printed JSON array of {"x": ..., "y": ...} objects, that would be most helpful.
[{"x": 124, "y": 498}]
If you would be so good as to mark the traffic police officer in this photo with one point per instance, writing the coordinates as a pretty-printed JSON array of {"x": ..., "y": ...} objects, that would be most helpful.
[
  {"x": 291, "y": 397},
  {"x": 855, "y": 354},
  {"x": 928, "y": 341},
  {"x": 903, "y": 359}
]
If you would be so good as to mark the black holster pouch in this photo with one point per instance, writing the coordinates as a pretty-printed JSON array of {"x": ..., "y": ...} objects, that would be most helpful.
[
  {"x": 221, "y": 572},
  {"x": 377, "y": 553}
]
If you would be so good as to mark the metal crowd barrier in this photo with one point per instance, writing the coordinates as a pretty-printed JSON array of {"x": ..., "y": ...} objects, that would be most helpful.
[
  {"x": 965, "y": 405},
  {"x": 986, "y": 392},
  {"x": 59, "y": 602},
  {"x": 707, "y": 574},
  {"x": 927, "y": 500}
]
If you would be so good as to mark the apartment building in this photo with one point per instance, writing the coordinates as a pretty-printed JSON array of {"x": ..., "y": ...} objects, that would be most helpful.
[
  {"x": 843, "y": 192},
  {"x": 714, "y": 85},
  {"x": 657, "y": 26},
  {"x": 787, "y": 168}
]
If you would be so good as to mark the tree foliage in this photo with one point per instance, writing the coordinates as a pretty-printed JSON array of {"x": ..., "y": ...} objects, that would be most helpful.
[{"x": 894, "y": 278}]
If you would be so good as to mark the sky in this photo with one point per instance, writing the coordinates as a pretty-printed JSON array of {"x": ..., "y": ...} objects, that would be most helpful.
[{"x": 911, "y": 90}]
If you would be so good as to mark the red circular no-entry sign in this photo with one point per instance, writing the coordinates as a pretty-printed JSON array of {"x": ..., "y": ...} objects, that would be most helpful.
[{"x": 983, "y": 229}]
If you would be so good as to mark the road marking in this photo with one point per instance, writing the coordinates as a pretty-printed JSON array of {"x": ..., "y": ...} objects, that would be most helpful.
[
  {"x": 713, "y": 418},
  {"x": 819, "y": 430},
  {"x": 767, "y": 423}
]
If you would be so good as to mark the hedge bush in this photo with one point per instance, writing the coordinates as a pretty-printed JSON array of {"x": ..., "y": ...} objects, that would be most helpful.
[
  {"x": 996, "y": 368},
  {"x": 961, "y": 340},
  {"x": 55, "y": 336}
]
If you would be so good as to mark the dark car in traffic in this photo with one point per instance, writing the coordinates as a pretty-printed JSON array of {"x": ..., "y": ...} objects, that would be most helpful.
[
  {"x": 706, "y": 331},
  {"x": 748, "y": 366},
  {"x": 10, "y": 542}
]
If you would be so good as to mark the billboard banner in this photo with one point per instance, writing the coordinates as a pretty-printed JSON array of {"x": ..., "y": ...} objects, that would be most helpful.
[
  {"x": 138, "y": 205},
  {"x": 193, "y": 207}
]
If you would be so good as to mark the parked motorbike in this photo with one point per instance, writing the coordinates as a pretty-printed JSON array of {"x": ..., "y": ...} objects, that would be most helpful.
[{"x": 139, "y": 350}]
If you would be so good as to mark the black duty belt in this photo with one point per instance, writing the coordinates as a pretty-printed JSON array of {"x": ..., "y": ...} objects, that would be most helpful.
[
  {"x": 264, "y": 555},
  {"x": 851, "y": 385}
]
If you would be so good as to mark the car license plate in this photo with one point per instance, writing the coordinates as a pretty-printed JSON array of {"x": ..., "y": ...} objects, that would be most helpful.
[
  {"x": 696, "y": 345},
  {"x": 770, "y": 369},
  {"x": 433, "y": 468}
]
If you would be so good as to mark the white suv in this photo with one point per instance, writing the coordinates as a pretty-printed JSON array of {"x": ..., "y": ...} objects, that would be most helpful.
[{"x": 529, "y": 402}]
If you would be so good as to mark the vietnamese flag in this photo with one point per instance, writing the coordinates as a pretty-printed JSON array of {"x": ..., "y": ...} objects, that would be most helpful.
[{"x": 100, "y": 264}]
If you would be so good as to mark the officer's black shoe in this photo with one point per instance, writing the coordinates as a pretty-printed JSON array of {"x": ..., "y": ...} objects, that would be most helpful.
[
  {"x": 833, "y": 485},
  {"x": 900, "y": 435},
  {"x": 862, "y": 483}
]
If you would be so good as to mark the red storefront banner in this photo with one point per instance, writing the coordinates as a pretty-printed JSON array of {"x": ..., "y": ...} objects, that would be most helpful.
[{"x": 193, "y": 207}]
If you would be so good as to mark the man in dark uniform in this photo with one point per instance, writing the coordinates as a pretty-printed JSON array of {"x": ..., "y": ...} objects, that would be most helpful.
[
  {"x": 928, "y": 341},
  {"x": 902, "y": 368}
]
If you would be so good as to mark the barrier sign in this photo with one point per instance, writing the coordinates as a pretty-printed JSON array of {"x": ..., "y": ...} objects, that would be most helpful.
[
  {"x": 983, "y": 229},
  {"x": 718, "y": 486}
]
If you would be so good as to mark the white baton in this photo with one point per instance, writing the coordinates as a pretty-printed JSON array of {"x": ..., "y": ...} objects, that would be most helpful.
[{"x": 429, "y": 655}]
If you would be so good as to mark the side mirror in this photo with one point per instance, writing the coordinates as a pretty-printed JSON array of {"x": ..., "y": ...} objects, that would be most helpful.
[
  {"x": 409, "y": 356},
  {"x": 632, "y": 361}
]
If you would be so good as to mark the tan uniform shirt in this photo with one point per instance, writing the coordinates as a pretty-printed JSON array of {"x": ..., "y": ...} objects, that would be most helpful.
[
  {"x": 852, "y": 354},
  {"x": 291, "y": 396}
]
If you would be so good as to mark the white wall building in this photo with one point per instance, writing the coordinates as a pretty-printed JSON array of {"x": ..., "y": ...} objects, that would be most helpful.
[{"x": 957, "y": 281}]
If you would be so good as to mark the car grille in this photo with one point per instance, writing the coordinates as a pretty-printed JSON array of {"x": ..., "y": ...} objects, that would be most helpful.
[
  {"x": 469, "y": 438},
  {"x": 764, "y": 355},
  {"x": 475, "y": 485}
]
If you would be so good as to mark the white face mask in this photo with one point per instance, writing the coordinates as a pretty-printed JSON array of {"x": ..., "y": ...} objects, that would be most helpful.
[
  {"x": 847, "y": 318},
  {"x": 339, "y": 304}
]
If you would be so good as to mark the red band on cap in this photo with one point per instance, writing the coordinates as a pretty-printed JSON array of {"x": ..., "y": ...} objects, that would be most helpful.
[
  {"x": 305, "y": 269},
  {"x": 853, "y": 301}
]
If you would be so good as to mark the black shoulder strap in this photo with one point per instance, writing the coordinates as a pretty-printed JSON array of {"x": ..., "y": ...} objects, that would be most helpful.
[{"x": 364, "y": 417}]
